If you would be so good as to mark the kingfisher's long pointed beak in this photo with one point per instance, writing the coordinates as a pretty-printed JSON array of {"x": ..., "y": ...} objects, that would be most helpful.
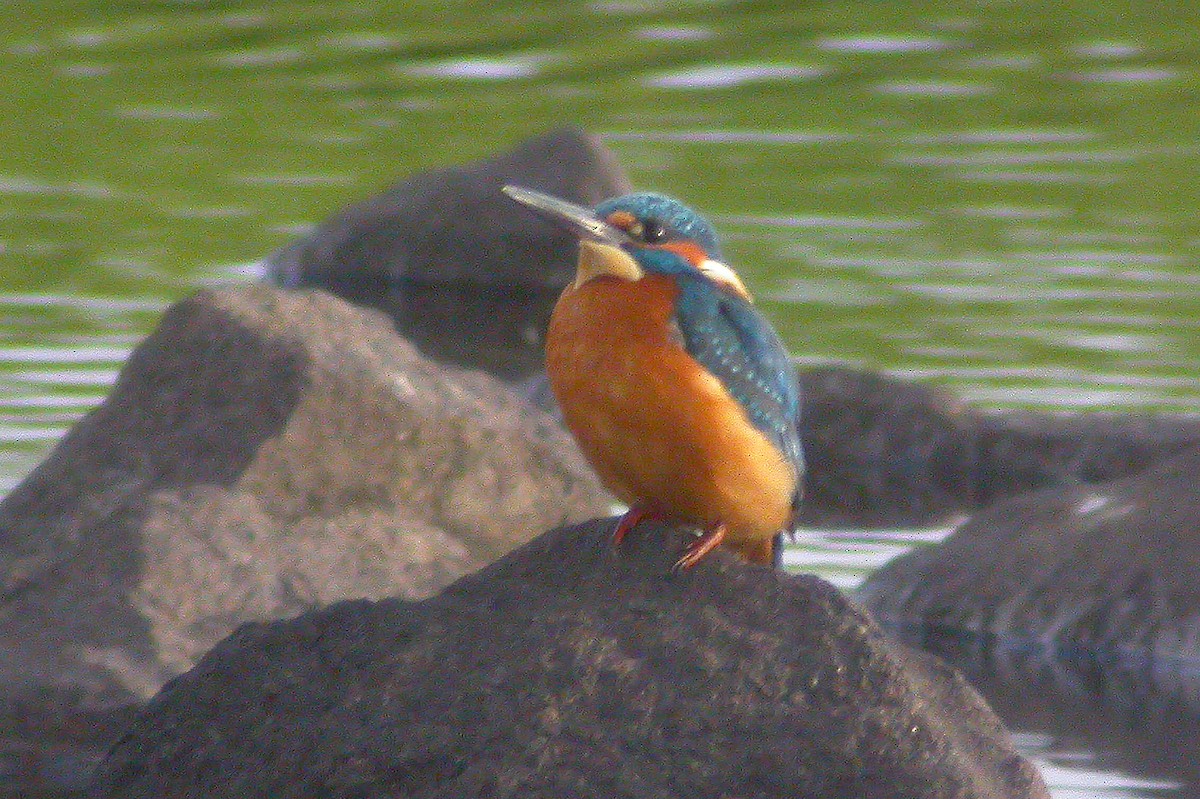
[
  {"x": 579, "y": 220},
  {"x": 600, "y": 250}
]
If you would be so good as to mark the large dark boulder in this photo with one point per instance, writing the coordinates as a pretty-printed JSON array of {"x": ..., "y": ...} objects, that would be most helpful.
[
  {"x": 464, "y": 272},
  {"x": 1112, "y": 567},
  {"x": 568, "y": 669},
  {"x": 262, "y": 453},
  {"x": 885, "y": 452}
]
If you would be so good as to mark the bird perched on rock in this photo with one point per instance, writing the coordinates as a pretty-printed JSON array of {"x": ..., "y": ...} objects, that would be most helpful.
[{"x": 678, "y": 390}]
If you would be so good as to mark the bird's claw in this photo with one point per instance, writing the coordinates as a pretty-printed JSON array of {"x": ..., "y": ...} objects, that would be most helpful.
[
  {"x": 632, "y": 518},
  {"x": 706, "y": 542}
]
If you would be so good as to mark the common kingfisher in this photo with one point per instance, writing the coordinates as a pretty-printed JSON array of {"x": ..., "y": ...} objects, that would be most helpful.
[{"x": 679, "y": 392}]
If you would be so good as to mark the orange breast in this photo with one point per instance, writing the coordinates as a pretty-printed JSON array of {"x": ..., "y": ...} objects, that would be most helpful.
[{"x": 652, "y": 421}]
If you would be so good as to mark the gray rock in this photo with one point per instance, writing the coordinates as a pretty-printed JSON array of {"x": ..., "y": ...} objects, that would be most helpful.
[
  {"x": 1111, "y": 567},
  {"x": 569, "y": 670},
  {"x": 262, "y": 453},
  {"x": 464, "y": 272},
  {"x": 882, "y": 451},
  {"x": 885, "y": 452}
]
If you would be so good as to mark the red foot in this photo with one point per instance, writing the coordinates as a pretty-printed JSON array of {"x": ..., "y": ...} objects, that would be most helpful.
[
  {"x": 708, "y": 540},
  {"x": 632, "y": 518}
]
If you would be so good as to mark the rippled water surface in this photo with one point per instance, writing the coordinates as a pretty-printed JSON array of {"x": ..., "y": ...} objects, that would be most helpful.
[{"x": 999, "y": 198}]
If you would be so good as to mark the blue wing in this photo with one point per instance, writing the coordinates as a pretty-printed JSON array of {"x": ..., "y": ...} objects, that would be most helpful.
[{"x": 731, "y": 339}]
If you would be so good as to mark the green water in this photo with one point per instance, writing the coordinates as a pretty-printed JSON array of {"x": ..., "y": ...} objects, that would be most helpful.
[
  {"x": 996, "y": 197},
  {"x": 999, "y": 200}
]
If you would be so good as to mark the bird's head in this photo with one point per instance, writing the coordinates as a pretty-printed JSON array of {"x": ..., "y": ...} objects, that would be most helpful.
[{"x": 630, "y": 236}]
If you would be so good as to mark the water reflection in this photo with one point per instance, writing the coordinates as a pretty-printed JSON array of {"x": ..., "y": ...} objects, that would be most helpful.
[
  {"x": 673, "y": 34},
  {"x": 1107, "y": 50},
  {"x": 260, "y": 58},
  {"x": 710, "y": 77},
  {"x": 821, "y": 222},
  {"x": 16, "y": 184},
  {"x": 164, "y": 112},
  {"x": 883, "y": 44},
  {"x": 294, "y": 179},
  {"x": 1129, "y": 76},
  {"x": 717, "y": 136},
  {"x": 1032, "y": 136},
  {"x": 933, "y": 88},
  {"x": 517, "y": 66}
]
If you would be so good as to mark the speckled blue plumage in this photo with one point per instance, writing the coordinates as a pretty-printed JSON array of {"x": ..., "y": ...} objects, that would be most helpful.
[
  {"x": 721, "y": 330},
  {"x": 733, "y": 341}
]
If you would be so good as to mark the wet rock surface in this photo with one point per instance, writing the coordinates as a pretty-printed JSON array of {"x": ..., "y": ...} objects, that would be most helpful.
[
  {"x": 1111, "y": 567},
  {"x": 566, "y": 669},
  {"x": 262, "y": 453},
  {"x": 464, "y": 272}
]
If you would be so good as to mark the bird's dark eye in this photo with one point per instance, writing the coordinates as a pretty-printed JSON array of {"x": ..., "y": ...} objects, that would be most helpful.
[{"x": 652, "y": 231}]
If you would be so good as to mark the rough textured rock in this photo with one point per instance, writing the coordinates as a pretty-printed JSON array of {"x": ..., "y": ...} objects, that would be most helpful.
[
  {"x": 884, "y": 452},
  {"x": 262, "y": 453},
  {"x": 464, "y": 272},
  {"x": 566, "y": 669},
  {"x": 1112, "y": 567}
]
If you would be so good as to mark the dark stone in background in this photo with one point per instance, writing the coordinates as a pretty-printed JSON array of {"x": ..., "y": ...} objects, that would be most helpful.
[
  {"x": 885, "y": 452},
  {"x": 466, "y": 274},
  {"x": 1112, "y": 567},
  {"x": 569, "y": 670}
]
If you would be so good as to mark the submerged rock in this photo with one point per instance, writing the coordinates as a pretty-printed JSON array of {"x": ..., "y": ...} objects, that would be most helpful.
[
  {"x": 464, "y": 272},
  {"x": 568, "y": 669},
  {"x": 1112, "y": 567},
  {"x": 262, "y": 453}
]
